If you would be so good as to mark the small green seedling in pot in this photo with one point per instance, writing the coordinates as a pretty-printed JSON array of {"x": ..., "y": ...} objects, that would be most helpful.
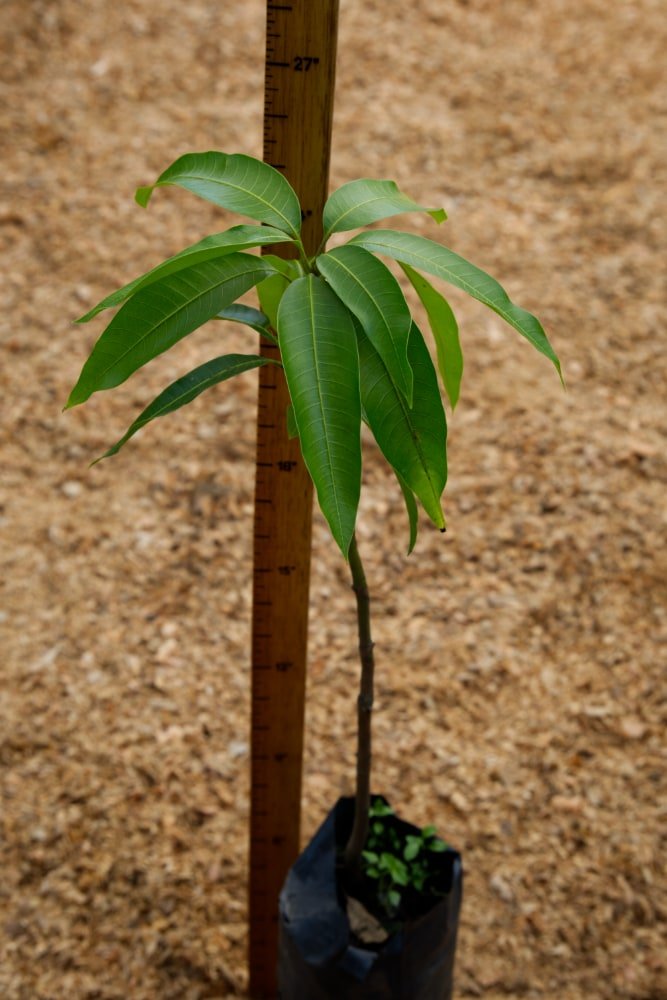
[
  {"x": 399, "y": 865},
  {"x": 350, "y": 350}
]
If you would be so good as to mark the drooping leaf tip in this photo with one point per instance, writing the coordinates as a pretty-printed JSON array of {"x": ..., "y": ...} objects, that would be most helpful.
[
  {"x": 143, "y": 194},
  {"x": 438, "y": 215}
]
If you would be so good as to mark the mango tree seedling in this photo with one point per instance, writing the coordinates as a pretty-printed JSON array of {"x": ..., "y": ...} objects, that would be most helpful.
[{"x": 348, "y": 344}]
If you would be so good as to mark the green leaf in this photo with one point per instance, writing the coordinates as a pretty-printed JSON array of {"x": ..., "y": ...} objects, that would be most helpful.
[
  {"x": 394, "y": 898},
  {"x": 412, "y": 847},
  {"x": 372, "y": 294},
  {"x": 411, "y": 507},
  {"x": 218, "y": 245},
  {"x": 437, "y": 845},
  {"x": 187, "y": 388},
  {"x": 395, "y": 867},
  {"x": 238, "y": 313},
  {"x": 413, "y": 440},
  {"x": 380, "y": 808},
  {"x": 270, "y": 292},
  {"x": 319, "y": 353},
  {"x": 444, "y": 263},
  {"x": 445, "y": 333},
  {"x": 370, "y": 856},
  {"x": 292, "y": 429},
  {"x": 363, "y": 201},
  {"x": 158, "y": 316},
  {"x": 235, "y": 181},
  {"x": 256, "y": 320},
  {"x": 291, "y": 269},
  {"x": 428, "y": 831}
]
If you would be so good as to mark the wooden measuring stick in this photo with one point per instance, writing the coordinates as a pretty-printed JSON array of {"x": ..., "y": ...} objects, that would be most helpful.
[{"x": 298, "y": 111}]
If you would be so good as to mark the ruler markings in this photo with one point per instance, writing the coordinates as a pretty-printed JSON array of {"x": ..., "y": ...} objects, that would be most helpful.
[{"x": 298, "y": 103}]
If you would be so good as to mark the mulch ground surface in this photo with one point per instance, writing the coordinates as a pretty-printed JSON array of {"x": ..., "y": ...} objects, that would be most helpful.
[{"x": 521, "y": 656}]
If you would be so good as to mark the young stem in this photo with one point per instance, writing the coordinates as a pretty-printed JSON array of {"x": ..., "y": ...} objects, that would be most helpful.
[
  {"x": 303, "y": 257},
  {"x": 359, "y": 833}
]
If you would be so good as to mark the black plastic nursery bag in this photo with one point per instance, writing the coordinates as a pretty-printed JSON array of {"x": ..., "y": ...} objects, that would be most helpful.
[{"x": 318, "y": 958}]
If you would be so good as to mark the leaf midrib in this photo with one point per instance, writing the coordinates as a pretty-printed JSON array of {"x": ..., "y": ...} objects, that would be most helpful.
[
  {"x": 361, "y": 204},
  {"x": 169, "y": 316},
  {"x": 413, "y": 434},
  {"x": 365, "y": 289},
  {"x": 204, "y": 384},
  {"x": 461, "y": 282},
  {"x": 237, "y": 187},
  {"x": 311, "y": 303}
]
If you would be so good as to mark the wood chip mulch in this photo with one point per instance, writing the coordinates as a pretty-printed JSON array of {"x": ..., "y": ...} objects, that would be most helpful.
[{"x": 521, "y": 657}]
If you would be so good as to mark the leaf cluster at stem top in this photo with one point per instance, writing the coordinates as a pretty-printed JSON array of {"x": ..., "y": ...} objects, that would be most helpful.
[{"x": 346, "y": 338}]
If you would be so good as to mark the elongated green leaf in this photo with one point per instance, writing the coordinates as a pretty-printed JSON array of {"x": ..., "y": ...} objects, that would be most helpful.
[
  {"x": 413, "y": 513},
  {"x": 413, "y": 440},
  {"x": 256, "y": 320},
  {"x": 235, "y": 181},
  {"x": 319, "y": 352},
  {"x": 218, "y": 245},
  {"x": 435, "y": 259},
  {"x": 372, "y": 294},
  {"x": 445, "y": 331},
  {"x": 270, "y": 292},
  {"x": 158, "y": 316},
  {"x": 187, "y": 388},
  {"x": 238, "y": 313},
  {"x": 363, "y": 201}
]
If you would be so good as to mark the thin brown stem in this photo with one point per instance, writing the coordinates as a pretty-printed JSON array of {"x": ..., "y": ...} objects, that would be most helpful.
[{"x": 359, "y": 833}]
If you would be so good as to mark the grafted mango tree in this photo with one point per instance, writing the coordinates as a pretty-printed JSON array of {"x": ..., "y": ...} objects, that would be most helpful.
[{"x": 349, "y": 346}]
